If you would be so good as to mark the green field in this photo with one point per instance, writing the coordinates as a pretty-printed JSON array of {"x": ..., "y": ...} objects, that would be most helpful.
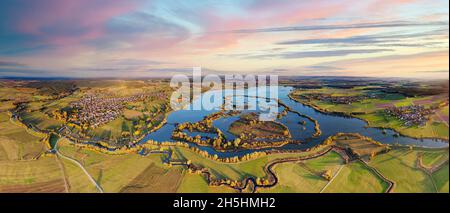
[
  {"x": 355, "y": 177},
  {"x": 440, "y": 178},
  {"x": 18, "y": 143},
  {"x": 43, "y": 175},
  {"x": 233, "y": 171},
  {"x": 156, "y": 179},
  {"x": 434, "y": 158},
  {"x": 77, "y": 180},
  {"x": 195, "y": 183},
  {"x": 400, "y": 165},
  {"x": 362, "y": 147},
  {"x": 305, "y": 177},
  {"x": 109, "y": 131},
  {"x": 111, "y": 172},
  {"x": 41, "y": 121},
  {"x": 47, "y": 106},
  {"x": 432, "y": 129},
  {"x": 371, "y": 109},
  {"x": 28, "y": 165}
]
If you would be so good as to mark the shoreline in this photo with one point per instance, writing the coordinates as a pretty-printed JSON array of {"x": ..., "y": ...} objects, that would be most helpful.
[
  {"x": 270, "y": 179},
  {"x": 349, "y": 115},
  {"x": 123, "y": 150}
]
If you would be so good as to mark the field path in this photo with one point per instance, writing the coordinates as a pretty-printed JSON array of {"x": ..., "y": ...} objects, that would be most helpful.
[
  {"x": 99, "y": 188},
  {"x": 66, "y": 185},
  {"x": 442, "y": 117},
  {"x": 427, "y": 171},
  {"x": 329, "y": 182}
]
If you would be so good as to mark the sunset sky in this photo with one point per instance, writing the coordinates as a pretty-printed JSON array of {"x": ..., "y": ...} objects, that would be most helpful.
[{"x": 153, "y": 38}]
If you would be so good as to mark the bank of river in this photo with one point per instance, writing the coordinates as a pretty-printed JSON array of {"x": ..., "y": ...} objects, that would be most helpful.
[{"x": 329, "y": 125}]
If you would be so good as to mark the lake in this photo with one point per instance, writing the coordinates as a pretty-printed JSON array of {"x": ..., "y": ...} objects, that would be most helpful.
[{"x": 329, "y": 124}]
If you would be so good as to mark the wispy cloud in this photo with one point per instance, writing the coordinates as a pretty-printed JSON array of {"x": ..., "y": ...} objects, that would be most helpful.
[
  {"x": 434, "y": 71},
  {"x": 393, "y": 24},
  {"x": 322, "y": 68},
  {"x": 369, "y": 39},
  {"x": 25, "y": 71},
  {"x": 310, "y": 54},
  {"x": 134, "y": 62},
  {"x": 155, "y": 37},
  {"x": 11, "y": 64},
  {"x": 427, "y": 65}
]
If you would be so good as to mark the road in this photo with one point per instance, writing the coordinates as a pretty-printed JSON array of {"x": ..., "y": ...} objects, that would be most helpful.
[{"x": 99, "y": 188}]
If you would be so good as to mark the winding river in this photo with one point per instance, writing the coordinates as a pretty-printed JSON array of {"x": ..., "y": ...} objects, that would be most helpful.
[{"x": 329, "y": 124}]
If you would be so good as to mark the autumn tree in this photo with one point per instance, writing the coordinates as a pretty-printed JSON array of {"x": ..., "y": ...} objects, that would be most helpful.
[{"x": 327, "y": 175}]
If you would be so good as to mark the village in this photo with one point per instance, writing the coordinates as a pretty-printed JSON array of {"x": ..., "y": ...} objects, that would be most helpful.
[
  {"x": 413, "y": 115},
  {"x": 98, "y": 108},
  {"x": 335, "y": 99}
]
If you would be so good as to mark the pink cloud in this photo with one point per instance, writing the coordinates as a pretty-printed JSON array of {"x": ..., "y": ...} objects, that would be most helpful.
[
  {"x": 67, "y": 22},
  {"x": 265, "y": 13},
  {"x": 381, "y": 5},
  {"x": 281, "y": 13}
]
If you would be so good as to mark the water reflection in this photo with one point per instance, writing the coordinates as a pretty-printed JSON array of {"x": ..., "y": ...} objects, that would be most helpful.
[{"x": 300, "y": 128}]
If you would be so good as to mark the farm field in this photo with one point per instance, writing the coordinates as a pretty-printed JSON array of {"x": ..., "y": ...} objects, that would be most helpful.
[
  {"x": 195, "y": 183},
  {"x": 137, "y": 173},
  {"x": 214, "y": 97},
  {"x": 18, "y": 143},
  {"x": 405, "y": 160},
  {"x": 111, "y": 172},
  {"x": 42, "y": 147},
  {"x": 43, "y": 175},
  {"x": 432, "y": 129},
  {"x": 155, "y": 178},
  {"x": 369, "y": 104},
  {"x": 440, "y": 178},
  {"x": 149, "y": 174},
  {"x": 435, "y": 158},
  {"x": 364, "y": 148},
  {"x": 77, "y": 181},
  {"x": 306, "y": 176},
  {"x": 234, "y": 171},
  {"x": 119, "y": 111},
  {"x": 356, "y": 178}
]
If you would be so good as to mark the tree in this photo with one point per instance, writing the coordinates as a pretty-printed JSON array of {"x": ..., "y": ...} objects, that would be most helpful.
[
  {"x": 327, "y": 175},
  {"x": 372, "y": 155},
  {"x": 237, "y": 141},
  {"x": 258, "y": 181}
]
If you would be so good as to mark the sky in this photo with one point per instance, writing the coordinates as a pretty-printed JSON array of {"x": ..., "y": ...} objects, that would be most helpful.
[{"x": 157, "y": 38}]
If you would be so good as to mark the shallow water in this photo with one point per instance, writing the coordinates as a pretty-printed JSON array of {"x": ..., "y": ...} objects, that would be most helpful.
[{"x": 329, "y": 124}]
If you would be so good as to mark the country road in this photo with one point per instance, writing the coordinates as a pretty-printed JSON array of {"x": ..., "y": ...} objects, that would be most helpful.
[{"x": 99, "y": 188}]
